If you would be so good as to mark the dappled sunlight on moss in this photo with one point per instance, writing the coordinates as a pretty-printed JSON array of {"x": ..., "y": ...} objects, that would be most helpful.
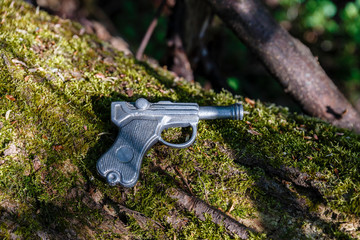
[{"x": 57, "y": 121}]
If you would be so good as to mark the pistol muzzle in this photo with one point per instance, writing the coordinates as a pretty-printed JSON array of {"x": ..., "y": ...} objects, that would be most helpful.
[{"x": 235, "y": 112}]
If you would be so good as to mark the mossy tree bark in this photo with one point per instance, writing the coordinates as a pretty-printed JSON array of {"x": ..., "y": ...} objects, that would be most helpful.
[{"x": 274, "y": 175}]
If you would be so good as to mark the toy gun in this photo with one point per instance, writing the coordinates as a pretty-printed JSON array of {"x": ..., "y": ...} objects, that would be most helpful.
[{"x": 141, "y": 124}]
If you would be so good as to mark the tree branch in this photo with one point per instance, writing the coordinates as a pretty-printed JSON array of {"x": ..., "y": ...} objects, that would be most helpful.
[
  {"x": 289, "y": 60},
  {"x": 149, "y": 31},
  {"x": 199, "y": 208}
]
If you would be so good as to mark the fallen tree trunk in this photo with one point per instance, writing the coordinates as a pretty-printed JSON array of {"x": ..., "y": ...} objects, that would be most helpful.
[
  {"x": 289, "y": 60},
  {"x": 56, "y": 88}
]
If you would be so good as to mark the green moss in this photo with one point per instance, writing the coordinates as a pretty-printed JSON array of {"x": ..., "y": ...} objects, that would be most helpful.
[
  {"x": 204, "y": 230},
  {"x": 56, "y": 87}
]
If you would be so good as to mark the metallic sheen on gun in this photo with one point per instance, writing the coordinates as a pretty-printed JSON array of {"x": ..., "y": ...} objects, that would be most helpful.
[{"x": 141, "y": 124}]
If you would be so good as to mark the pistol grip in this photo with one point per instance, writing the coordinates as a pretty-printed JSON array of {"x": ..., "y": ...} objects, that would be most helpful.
[{"x": 121, "y": 163}]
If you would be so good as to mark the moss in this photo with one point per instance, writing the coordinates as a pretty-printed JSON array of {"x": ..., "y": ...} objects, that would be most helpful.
[{"x": 56, "y": 87}]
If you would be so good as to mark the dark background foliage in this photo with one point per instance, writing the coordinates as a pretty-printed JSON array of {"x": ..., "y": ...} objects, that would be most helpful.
[{"x": 331, "y": 28}]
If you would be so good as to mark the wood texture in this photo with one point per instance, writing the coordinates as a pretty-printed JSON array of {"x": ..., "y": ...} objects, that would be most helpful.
[{"x": 289, "y": 60}]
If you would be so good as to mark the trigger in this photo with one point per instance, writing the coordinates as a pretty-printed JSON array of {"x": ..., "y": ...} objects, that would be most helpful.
[{"x": 185, "y": 144}]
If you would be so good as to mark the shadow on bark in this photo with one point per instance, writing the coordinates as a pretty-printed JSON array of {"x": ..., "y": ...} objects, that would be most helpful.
[
  {"x": 292, "y": 200},
  {"x": 274, "y": 186}
]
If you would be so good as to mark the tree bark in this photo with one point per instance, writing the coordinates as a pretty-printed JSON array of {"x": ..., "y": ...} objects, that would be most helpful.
[
  {"x": 200, "y": 208},
  {"x": 289, "y": 60}
]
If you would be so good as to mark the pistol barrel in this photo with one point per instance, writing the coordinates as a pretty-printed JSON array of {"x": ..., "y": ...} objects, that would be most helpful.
[{"x": 234, "y": 112}]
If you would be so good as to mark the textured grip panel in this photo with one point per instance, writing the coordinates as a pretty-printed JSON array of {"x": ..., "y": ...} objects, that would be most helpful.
[{"x": 122, "y": 162}]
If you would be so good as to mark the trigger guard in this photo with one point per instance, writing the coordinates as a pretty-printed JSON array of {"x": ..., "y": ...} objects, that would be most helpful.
[{"x": 185, "y": 144}]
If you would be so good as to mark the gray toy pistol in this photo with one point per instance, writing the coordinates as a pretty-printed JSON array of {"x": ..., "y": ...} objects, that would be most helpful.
[{"x": 141, "y": 124}]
